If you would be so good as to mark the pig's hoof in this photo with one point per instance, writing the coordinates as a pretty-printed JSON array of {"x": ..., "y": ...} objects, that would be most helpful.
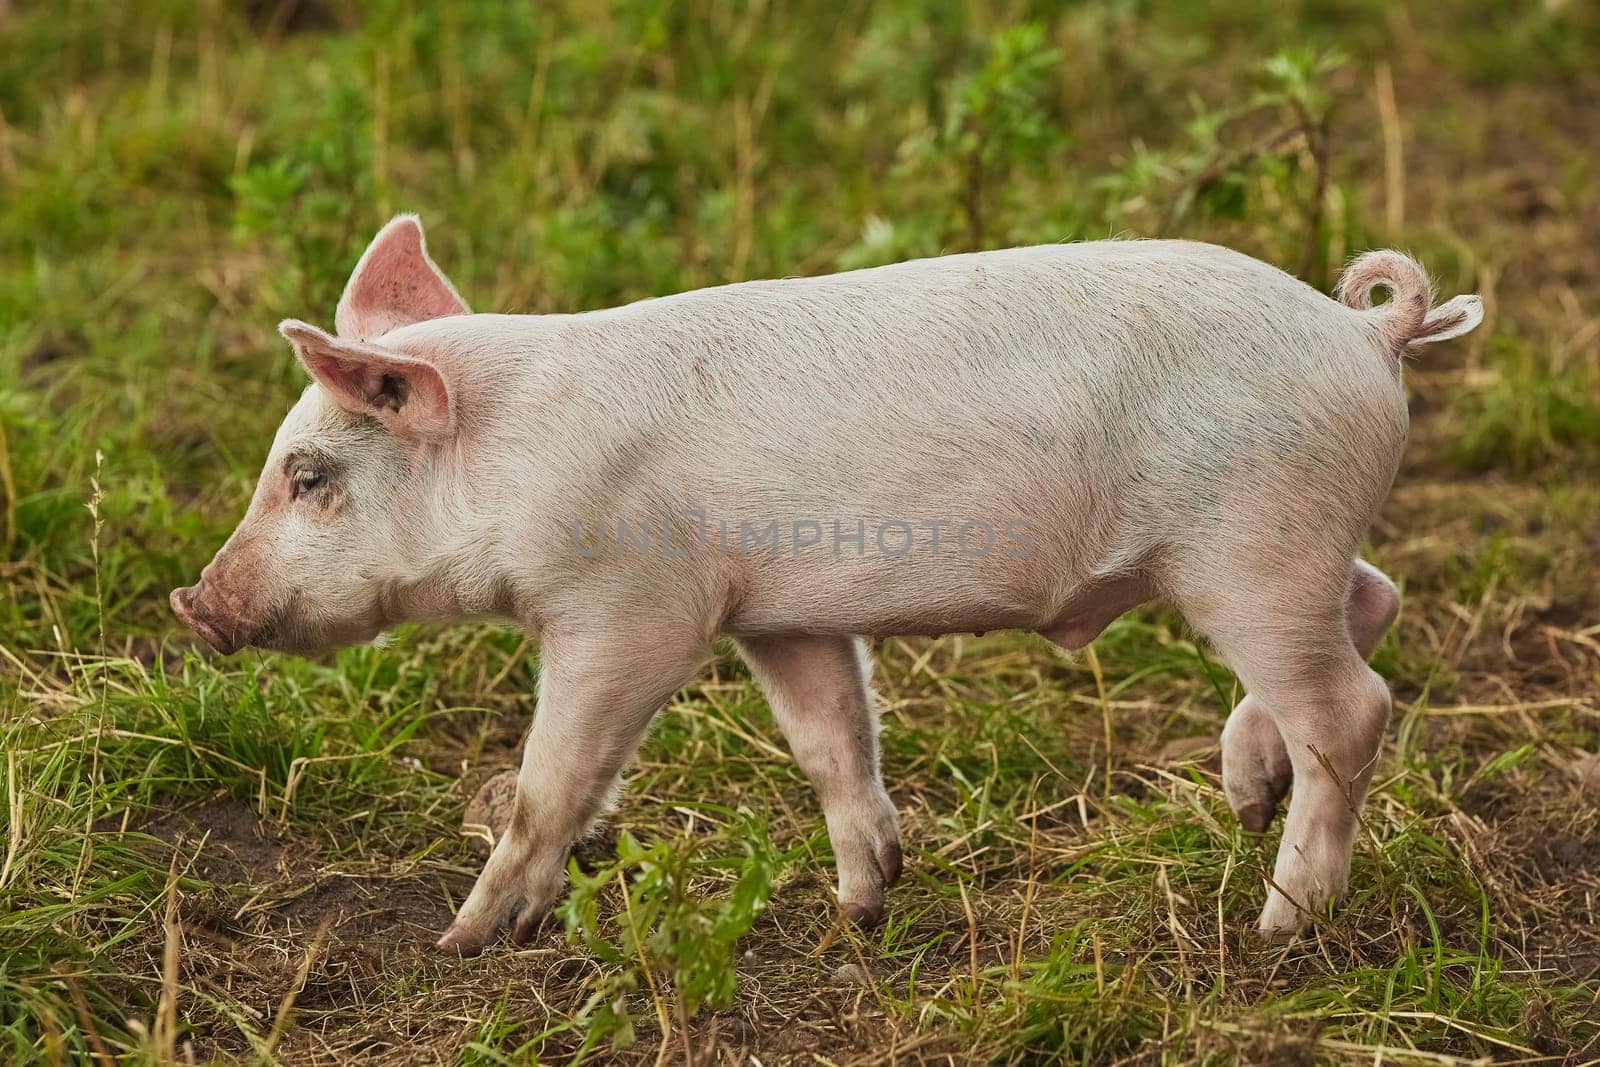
[
  {"x": 1282, "y": 922},
  {"x": 527, "y": 924},
  {"x": 463, "y": 941},
  {"x": 870, "y": 860},
  {"x": 865, "y": 916},
  {"x": 1256, "y": 771},
  {"x": 1256, "y": 818},
  {"x": 1255, "y": 804},
  {"x": 468, "y": 939},
  {"x": 890, "y": 860},
  {"x": 1276, "y": 936}
]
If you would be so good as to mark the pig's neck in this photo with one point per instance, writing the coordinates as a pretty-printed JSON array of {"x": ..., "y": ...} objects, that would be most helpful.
[
  {"x": 453, "y": 588},
  {"x": 455, "y": 566}
]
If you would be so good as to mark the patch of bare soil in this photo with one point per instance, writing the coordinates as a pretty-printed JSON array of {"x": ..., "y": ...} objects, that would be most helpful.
[
  {"x": 1540, "y": 843},
  {"x": 278, "y": 930},
  {"x": 234, "y": 845}
]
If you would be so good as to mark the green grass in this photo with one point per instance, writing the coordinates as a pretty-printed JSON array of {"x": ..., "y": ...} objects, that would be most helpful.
[{"x": 248, "y": 859}]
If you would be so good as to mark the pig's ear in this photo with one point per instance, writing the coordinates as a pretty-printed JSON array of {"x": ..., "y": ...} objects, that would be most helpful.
[
  {"x": 394, "y": 285},
  {"x": 406, "y": 394}
]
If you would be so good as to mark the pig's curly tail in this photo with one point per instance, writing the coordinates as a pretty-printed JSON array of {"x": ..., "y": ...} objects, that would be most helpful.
[{"x": 1406, "y": 318}]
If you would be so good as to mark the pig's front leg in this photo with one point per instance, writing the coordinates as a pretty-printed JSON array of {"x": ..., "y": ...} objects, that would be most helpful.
[
  {"x": 820, "y": 695},
  {"x": 598, "y": 692}
]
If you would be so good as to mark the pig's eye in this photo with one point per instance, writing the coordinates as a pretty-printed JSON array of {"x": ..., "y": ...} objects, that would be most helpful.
[{"x": 305, "y": 480}]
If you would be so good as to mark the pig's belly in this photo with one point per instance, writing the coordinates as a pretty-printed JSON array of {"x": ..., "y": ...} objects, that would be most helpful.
[
  {"x": 869, "y": 614},
  {"x": 929, "y": 595}
]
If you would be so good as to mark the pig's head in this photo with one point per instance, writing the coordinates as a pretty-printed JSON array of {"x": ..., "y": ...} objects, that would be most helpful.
[{"x": 334, "y": 532}]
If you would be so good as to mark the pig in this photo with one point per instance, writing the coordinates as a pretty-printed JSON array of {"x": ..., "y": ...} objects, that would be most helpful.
[{"x": 1034, "y": 439}]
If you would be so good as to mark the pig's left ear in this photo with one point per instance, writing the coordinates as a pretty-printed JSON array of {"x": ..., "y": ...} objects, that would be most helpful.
[
  {"x": 406, "y": 394},
  {"x": 394, "y": 285}
]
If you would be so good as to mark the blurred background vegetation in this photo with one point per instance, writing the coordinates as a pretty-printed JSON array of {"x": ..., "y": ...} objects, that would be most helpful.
[{"x": 175, "y": 177}]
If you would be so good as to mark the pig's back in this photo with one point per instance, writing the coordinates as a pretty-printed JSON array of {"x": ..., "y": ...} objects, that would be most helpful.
[
  {"x": 1113, "y": 354},
  {"x": 987, "y": 332}
]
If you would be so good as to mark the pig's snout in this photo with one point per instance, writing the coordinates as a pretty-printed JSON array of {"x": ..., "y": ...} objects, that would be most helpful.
[{"x": 221, "y": 633}]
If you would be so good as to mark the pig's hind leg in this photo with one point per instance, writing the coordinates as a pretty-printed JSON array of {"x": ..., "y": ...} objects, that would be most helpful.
[
  {"x": 1284, "y": 632},
  {"x": 1256, "y": 772},
  {"x": 598, "y": 691},
  {"x": 820, "y": 694}
]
